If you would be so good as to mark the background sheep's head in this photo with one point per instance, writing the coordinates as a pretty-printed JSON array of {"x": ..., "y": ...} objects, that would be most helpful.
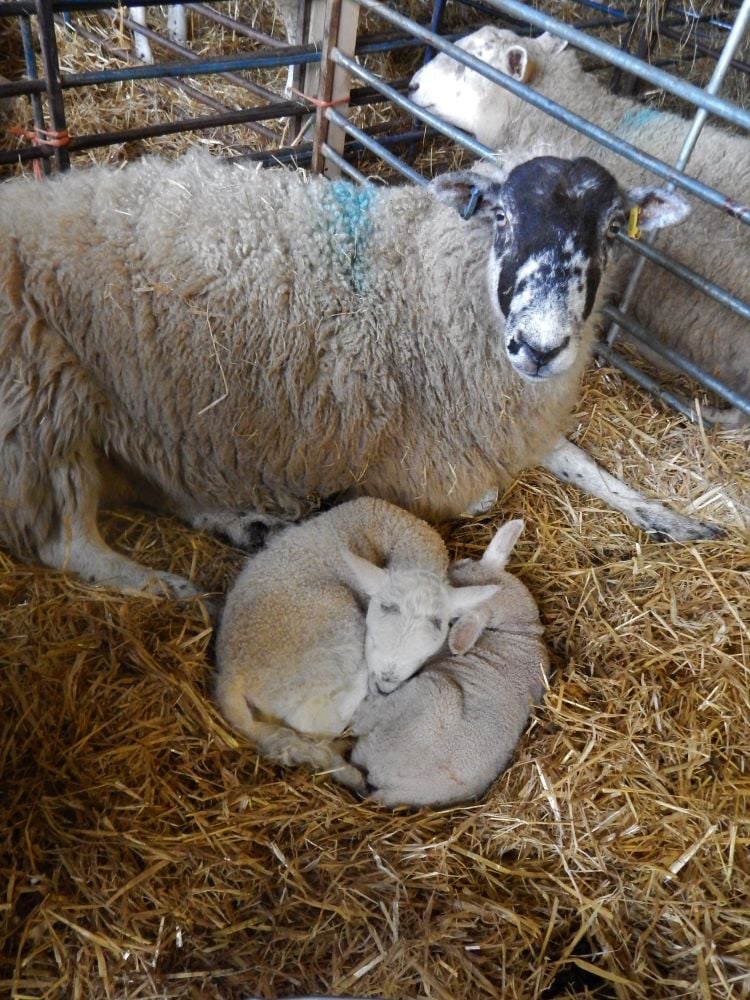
[
  {"x": 471, "y": 101},
  {"x": 553, "y": 222}
]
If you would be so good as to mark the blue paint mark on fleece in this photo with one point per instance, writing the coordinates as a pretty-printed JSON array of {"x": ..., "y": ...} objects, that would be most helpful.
[
  {"x": 348, "y": 209},
  {"x": 634, "y": 120}
]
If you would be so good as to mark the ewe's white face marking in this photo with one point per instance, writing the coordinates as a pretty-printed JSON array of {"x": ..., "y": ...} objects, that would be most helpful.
[{"x": 550, "y": 249}]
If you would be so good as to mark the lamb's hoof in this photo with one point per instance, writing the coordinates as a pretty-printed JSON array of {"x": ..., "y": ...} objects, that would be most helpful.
[
  {"x": 352, "y": 778},
  {"x": 666, "y": 525},
  {"x": 251, "y": 531}
]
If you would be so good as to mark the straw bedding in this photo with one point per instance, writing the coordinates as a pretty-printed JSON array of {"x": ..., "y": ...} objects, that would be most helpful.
[{"x": 147, "y": 852}]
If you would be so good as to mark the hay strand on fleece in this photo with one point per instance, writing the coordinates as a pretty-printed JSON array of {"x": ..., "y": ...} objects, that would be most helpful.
[{"x": 148, "y": 852}]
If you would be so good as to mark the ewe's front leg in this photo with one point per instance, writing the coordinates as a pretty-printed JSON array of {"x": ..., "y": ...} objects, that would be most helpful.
[{"x": 573, "y": 465}]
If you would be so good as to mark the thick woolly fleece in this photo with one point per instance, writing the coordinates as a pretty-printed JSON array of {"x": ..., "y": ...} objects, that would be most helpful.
[
  {"x": 709, "y": 242},
  {"x": 290, "y": 646},
  {"x": 446, "y": 733},
  {"x": 242, "y": 339}
]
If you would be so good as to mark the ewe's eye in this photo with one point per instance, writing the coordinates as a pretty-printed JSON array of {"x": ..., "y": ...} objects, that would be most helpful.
[
  {"x": 389, "y": 609},
  {"x": 436, "y": 623},
  {"x": 614, "y": 227},
  {"x": 501, "y": 218}
]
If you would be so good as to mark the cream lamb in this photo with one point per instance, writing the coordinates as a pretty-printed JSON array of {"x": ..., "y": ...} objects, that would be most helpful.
[
  {"x": 447, "y": 733},
  {"x": 713, "y": 244},
  {"x": 296, "y": 654},
  {"x": 228, "y": 342}
]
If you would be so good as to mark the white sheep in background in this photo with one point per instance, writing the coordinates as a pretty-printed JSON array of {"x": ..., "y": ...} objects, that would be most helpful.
[
  {"x": 716, "y": 246},
  {"x": 445, "y": 734},
  {"x": 296, "y": 652},
  {"x": 237, "y": 340}
]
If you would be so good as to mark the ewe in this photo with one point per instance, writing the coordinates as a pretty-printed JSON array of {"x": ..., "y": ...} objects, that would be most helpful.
[
  {"x": 718, "y": 247},
  {"x": 296, "y": 652},
  {"x": 227, "y": 342},
  {"x": 448, "y": 732}
]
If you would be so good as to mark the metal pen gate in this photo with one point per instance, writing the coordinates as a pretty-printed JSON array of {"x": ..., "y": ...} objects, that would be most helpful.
[{"x": 334, "y": 58}]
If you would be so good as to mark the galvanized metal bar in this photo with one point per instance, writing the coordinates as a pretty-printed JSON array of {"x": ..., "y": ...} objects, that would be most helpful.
[
  {"x": 600, "y": 135},
  {"x": 403, "y": 102},
  {"x": 709, "y": 288},
  {"x": 51, "y": 63},
  {"x": 372, "y": 144},
  {"x": 241, "y": 27},
  {"x": 717, "y": 78},
  {"x": 344, "y": 165},
  {"x": 679, "y": 88},
  {"x": 642, "y": 335},
  {"x": 182, "y": 50},
  {"x": 603, "y": 350}
]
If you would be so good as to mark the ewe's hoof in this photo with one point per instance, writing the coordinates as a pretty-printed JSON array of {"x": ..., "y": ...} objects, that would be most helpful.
[{"x": 668, "y": 526}]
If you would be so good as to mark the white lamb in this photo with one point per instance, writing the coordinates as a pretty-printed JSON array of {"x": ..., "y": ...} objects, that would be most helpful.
[
  {"x": 230, "y": 342},
  {"x": 448, "y": 732},
  {"x": 712, "y": 244},
  {"x": 295, "y": 651}
]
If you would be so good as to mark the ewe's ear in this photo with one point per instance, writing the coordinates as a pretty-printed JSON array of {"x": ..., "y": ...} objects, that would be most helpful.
[
  {"x": 497, "y": 552},
  {"x": 462, "y": 187},
  {"x": 463, "y": 599},
  {"x": 364, "y": 577},
  {"x": 551, "y": 44},
  {"x": 659, "y": 208},
  {"x": 516, "y": 63},
  {"x": 465, "y": 632}
]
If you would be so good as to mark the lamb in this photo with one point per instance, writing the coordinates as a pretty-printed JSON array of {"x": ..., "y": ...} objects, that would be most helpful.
[
  {"x": 447, "y": 733},
  {"x": 718, "y": 247},
  {"x": 226, "y": 343},
  {"x": 295, "y": 651}
]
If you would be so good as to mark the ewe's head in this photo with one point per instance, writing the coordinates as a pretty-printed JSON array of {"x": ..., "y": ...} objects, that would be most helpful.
[
  {"x": 407, "y": 620},
  {"x": 472, "y": 102},
  {"x": 553, "y": 222}
]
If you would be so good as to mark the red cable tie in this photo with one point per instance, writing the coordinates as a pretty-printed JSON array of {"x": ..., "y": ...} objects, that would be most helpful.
[
  {"x": 316, "y": 101},
  {"x": 42, "y": 137}
]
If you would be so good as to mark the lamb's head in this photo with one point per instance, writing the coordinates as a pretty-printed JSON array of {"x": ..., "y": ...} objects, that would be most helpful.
[
  {"x": 408, "y": 615},
  {"x": 472, "y": 102},
  {"x": 551, "y": 223}
]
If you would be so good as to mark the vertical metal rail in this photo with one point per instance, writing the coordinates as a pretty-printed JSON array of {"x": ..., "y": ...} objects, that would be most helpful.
[
  {"x": 29, "y": 57},
  {"x": 717, "y": 78},
  {"x": 51, "y": 63}
]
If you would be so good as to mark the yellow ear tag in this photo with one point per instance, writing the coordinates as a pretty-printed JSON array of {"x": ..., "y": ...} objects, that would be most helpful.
[{"x": 633, "y": 231}]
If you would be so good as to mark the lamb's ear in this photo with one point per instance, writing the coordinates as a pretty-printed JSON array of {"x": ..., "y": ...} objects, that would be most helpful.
[
  {"x": 551, "y": 44},
  {"x": 364, "y": 577},
  {"x": 659, "y": 208},
  {"x": 472, "y": 195},
  {"x": 463, "y": 599},
  {"x": 498, "y": 551},
  {"x": 465, "y": 632}
]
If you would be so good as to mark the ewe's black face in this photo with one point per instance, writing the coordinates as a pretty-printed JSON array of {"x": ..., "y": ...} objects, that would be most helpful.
[{"x": 554, "y": 224}]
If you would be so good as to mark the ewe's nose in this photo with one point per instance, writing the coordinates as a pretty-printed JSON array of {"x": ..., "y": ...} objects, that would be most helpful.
[{"x": 539, "y": 356}]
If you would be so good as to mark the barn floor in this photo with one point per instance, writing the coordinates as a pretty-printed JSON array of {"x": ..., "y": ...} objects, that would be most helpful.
[{"x": 147, "y": 852}]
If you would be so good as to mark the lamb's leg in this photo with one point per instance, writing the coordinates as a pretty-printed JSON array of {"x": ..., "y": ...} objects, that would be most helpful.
[
  {"x": 177, "y": 23},
  {"x": 573, "y": 465}
]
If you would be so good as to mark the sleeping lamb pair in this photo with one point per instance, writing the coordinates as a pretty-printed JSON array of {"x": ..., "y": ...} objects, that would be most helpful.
[{"x": 299, "y": 659}]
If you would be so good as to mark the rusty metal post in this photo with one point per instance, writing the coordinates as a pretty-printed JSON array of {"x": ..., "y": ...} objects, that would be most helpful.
[
  {"x": 342, "y": 17},
  {"x": 51, "y": 63}
]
